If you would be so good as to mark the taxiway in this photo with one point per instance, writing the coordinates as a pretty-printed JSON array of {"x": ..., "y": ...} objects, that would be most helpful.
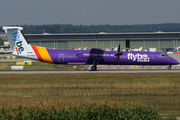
[{"x": 98, "y": 71}]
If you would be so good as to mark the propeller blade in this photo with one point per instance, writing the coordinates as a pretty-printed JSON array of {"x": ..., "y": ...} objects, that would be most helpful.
[
  {"x": 119, "y": 53},
  {"x": 118, "y": 59},
  {"x": 119, "y": 48}
]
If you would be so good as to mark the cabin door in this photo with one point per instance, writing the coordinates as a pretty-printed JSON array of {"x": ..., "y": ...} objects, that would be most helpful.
[{"x": 61, "y": 58}]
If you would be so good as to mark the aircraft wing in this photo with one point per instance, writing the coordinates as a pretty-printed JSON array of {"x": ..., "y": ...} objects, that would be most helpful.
[
  {"x": 96, "y": 50},
  {"x": 97, "y": 53}
]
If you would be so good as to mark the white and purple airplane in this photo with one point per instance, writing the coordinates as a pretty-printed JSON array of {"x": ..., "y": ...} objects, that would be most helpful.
[{"x": 20, "y": 47}]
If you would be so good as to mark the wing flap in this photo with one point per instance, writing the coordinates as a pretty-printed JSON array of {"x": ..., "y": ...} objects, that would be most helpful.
[{"x": 76, "y": 63}]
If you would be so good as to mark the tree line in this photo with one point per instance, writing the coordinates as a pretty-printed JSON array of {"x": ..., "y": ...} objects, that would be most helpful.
[{"x": 69, "y": 28}]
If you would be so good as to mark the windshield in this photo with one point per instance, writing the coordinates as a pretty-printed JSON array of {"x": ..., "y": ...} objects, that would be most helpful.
[{"x": 164, "y": 55}]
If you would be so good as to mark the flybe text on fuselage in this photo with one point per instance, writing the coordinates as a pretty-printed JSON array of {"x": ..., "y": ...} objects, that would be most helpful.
[
  {"x": 138, "y": 57},
  {"x": 87, "y": 54},
  {"x": 18, "y": 42}
]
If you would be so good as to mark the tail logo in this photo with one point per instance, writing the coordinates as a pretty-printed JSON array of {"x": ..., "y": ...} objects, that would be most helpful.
[{"x": 18, "y": 42}]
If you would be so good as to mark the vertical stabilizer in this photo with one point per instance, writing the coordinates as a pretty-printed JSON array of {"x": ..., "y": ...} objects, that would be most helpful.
[{"x": 18, "y": 43}]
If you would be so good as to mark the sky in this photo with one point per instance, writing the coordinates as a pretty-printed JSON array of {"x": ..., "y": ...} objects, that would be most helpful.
[{"x": 89, "y": 12}]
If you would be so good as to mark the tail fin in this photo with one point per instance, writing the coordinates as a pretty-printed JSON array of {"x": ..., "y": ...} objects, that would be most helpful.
[
  {"x": 18, "y": 43},
  {"x": 20, "y": 46}
]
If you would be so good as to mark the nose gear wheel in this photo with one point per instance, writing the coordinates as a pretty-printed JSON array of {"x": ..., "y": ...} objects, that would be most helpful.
[{"x": 169, "y": 68}]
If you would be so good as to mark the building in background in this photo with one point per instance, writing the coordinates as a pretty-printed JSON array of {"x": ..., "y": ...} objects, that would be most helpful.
[
  {"x": 148, "y": 40},
  {"x": 157, "y": 40}
]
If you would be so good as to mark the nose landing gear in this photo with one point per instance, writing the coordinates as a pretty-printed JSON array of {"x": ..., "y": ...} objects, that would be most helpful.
[{"x": 169, "y": 68}]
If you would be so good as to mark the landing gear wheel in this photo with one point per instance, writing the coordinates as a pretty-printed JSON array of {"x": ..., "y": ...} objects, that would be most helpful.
[
  {"x": 169, "y": 68},
  {"x": 93, "y": 68}
]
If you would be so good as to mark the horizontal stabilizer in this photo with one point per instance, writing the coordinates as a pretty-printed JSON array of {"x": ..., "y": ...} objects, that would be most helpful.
[{"x": 13, "y": 28}]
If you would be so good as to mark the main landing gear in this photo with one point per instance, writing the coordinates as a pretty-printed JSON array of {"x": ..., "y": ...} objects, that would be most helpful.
[
  {"x": 119, "y": 53},
  {"x": 94, "y": 67},
  {"x": 169, "y": 68}
]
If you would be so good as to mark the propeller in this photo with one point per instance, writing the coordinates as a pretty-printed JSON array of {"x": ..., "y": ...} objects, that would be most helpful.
[{"x": 119, "y": 53}]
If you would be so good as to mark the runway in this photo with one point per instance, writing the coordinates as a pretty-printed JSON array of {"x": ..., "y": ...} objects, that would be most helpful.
[{"x": 97, "y": 71}]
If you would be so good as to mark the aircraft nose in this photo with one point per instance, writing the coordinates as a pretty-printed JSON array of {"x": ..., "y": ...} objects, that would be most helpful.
[{"x": 173, "y": 62}]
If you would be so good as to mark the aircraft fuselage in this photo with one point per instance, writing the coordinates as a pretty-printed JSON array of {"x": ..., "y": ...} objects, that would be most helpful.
[{"x": 107, "y": 57}]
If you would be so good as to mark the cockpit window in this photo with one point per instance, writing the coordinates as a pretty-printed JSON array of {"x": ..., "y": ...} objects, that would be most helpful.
[{"x": 164, "y": 55}]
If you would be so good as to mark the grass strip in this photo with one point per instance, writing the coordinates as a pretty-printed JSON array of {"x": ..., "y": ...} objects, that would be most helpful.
[
  {"x": 42, "y": 66},
  {"x": 101, "y": 80}
]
